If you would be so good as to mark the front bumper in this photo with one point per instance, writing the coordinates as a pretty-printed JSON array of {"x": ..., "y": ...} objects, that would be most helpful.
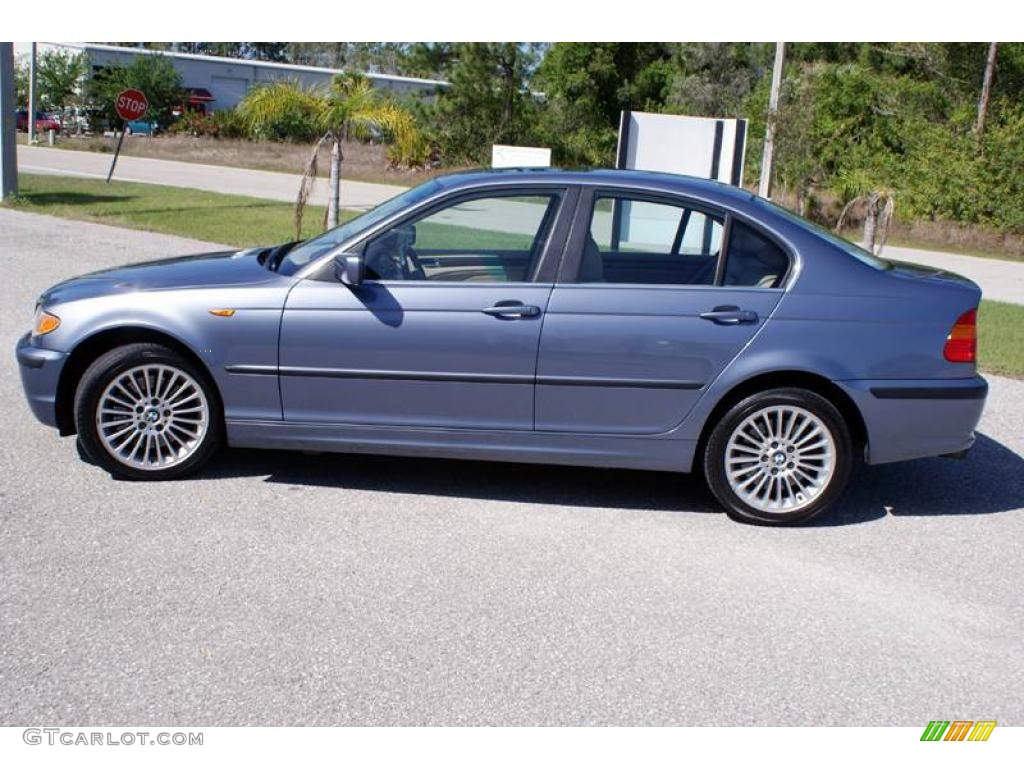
[
  {"x": 40, "y": 374},
  {"x": 916, "y": 419}
]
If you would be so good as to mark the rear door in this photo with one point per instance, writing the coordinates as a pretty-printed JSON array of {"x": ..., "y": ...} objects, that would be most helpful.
[
  {"x": 444, "y": 331},
  {"x": 647, "y": 311}
]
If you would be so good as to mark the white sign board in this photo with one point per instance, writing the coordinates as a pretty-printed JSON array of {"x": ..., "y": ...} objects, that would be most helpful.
[
  {"x": 706, "y": 147},
  {"x": 505, "y": 156}
]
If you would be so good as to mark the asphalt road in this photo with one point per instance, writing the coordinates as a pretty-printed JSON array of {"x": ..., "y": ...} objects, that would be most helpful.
[
  {"x": 290, "y": 589},
  {"x": 1000, "y": 280},
  {"x": 271, "y": 185}
]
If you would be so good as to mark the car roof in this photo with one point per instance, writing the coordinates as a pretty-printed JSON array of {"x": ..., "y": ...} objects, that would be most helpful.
[{"x": 670, "y": 182}]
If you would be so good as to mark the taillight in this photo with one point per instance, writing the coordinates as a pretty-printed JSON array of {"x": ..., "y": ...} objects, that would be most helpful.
[{"x": 962, "y": 342}]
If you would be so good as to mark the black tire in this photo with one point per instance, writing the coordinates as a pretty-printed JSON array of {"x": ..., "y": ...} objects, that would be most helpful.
[
  {"x": 83, "y": 451},
  {"x": 715, "y": 455},
  {"x": 106, "y": 369}
]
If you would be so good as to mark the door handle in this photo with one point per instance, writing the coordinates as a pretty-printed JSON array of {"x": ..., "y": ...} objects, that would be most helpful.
[
  {"x": 509, "y": 309},
  {"x": 730, "y": 315}
]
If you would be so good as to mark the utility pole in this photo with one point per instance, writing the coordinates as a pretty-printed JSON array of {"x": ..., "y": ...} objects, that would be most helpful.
[
  {"x": 764, "y": 188},
  {"x": 8, "y": 107},
  {"x": 32, "y": 96},
  {"x": 986, "y": 90}
]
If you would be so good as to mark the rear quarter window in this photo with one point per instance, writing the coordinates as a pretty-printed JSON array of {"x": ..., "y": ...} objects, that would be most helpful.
[{"x": 752, "y": 259}]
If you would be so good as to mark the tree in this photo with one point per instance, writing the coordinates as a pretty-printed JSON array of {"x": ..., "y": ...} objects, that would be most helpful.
[
  {"x": 586, "y": 87},
  {"x": 430, "y": 60},
  {"x": 266, "y": 51},
  {"x": 716, "y": 79},
  {"x": 878, "y": 203},
  {"x": 487, "y": 103},
  {"x": 152, "y": 74},
  {"x": 58, "y": 75},
  {"x": 351, "y": 108},
  {"x": 986, "y": 89},
  {"x": 21, "y": 82}
]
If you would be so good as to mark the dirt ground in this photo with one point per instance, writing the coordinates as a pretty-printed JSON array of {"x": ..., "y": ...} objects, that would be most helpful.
[{"x": 363, "y": 162}]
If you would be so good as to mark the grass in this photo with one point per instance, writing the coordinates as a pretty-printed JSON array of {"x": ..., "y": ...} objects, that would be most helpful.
[
  {"x": 246, "y": 221},
  {"x": 1001, "y": 338},
  {"x": 230, "y": 219}
]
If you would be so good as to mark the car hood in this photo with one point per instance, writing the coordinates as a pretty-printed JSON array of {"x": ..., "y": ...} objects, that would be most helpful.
[{"x": 216, "y": 269}]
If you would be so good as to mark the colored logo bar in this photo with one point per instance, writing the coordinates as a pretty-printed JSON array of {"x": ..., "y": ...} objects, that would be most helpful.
[{"x": 958, "y": 730}]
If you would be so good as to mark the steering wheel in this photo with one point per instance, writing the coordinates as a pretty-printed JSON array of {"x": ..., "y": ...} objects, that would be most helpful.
[
  {"x": 412, "y": 266},
  {"x": 392, "y": 257}
]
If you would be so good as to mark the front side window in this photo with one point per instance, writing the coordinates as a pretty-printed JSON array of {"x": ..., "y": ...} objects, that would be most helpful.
[
  {"x": 313, "y": 249},
  {"x": 644, "y": 242},
  {"x": 484, "y": 239}
]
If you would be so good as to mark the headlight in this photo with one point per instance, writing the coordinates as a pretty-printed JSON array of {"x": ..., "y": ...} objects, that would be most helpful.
[{"x": 45, "y": 323}]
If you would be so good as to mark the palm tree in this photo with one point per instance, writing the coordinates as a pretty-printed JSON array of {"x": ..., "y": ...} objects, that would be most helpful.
[
  {"x": 860, "y": 189},
  {"x": 350, "y": 108}
]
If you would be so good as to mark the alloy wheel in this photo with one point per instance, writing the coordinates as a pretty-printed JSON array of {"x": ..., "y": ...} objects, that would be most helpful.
[
  {"x": 780, "y": 458},
  {"x": 152, "y": 417}
]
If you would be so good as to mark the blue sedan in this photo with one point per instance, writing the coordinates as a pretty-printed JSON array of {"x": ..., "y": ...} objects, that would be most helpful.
[{"x": 605, "y": 318}]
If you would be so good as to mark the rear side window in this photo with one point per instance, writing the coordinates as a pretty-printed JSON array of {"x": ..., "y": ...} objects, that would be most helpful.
[
  {"x": 752, "y": 259},
  {"x": 650, "y": 243}
]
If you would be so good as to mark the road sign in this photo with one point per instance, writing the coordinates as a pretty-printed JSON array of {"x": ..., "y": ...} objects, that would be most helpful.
[{"x": 131, "y": 104}]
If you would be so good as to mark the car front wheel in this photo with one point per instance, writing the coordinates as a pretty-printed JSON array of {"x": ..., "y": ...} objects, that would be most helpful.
[
  {"x": 779, "y": 457},
  {"x": 145, "y": 412}
]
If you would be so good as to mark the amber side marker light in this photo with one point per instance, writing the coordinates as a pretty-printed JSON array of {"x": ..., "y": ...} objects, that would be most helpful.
[
  {"x": 222, "y": 312},
  {"x": 962, "y": 341},
  {"x": 45, "y": 323}
]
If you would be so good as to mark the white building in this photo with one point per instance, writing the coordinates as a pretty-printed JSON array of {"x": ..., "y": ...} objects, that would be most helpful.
[{"x": 227, "y": 80}]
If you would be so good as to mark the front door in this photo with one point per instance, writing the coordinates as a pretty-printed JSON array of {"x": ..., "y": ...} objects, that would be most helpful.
[
  {"x": 649, "y": 312},
  {"x": 443, "y": 332}
]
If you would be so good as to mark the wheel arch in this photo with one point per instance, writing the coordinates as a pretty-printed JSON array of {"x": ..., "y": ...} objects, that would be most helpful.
[
  {"x": 101, "y": 342},
  {"x": 814, "y": 382}
]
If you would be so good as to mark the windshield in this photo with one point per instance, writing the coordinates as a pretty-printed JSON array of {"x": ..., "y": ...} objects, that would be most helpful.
[
  {"x": 863, "y": 256},
  {"x": 313, "y": 249}
]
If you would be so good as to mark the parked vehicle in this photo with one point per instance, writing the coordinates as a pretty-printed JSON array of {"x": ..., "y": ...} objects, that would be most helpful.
[
  {"x": 141, "y": 128},
  {"x": 607, "y": 318},
  {"x": 77, "y": 120},
  {"x": 44, "y": 122}
]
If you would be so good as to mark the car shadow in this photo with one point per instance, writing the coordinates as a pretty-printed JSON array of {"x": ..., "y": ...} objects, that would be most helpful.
[
  {"x": 71, "y": 198},
  {"x": 204, "y": 205},
  {"x": 988, "y": 481},
  {"x": 485, "y": 480}
]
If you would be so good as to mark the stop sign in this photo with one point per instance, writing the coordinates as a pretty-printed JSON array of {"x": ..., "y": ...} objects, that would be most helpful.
[{"x": 131, "y": 104}]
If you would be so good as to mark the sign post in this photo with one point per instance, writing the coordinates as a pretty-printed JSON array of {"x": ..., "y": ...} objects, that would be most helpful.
[
  {"x": 8, "y": 107},
  {"x": 130, "y": 105}
]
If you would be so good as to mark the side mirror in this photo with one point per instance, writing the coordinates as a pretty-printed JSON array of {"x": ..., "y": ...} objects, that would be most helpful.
[{"x": 349, "y": 268}]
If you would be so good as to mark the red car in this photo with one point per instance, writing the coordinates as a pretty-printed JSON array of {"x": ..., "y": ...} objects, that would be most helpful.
[{"x": 44, "y": 122}]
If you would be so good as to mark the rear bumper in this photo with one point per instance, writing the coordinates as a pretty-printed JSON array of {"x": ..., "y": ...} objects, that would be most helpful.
[
  {"x": 40, "y": 373},
  {"x": 915, "y": 419}
]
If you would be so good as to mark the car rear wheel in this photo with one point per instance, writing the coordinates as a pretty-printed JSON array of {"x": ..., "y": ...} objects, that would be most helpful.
[
  {"x": 779, "y": 457},
  {"x": 144, "y": 412}
]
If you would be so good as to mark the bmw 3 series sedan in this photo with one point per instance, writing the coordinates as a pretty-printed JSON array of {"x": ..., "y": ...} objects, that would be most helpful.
[{"x": 604, "y": 318}]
